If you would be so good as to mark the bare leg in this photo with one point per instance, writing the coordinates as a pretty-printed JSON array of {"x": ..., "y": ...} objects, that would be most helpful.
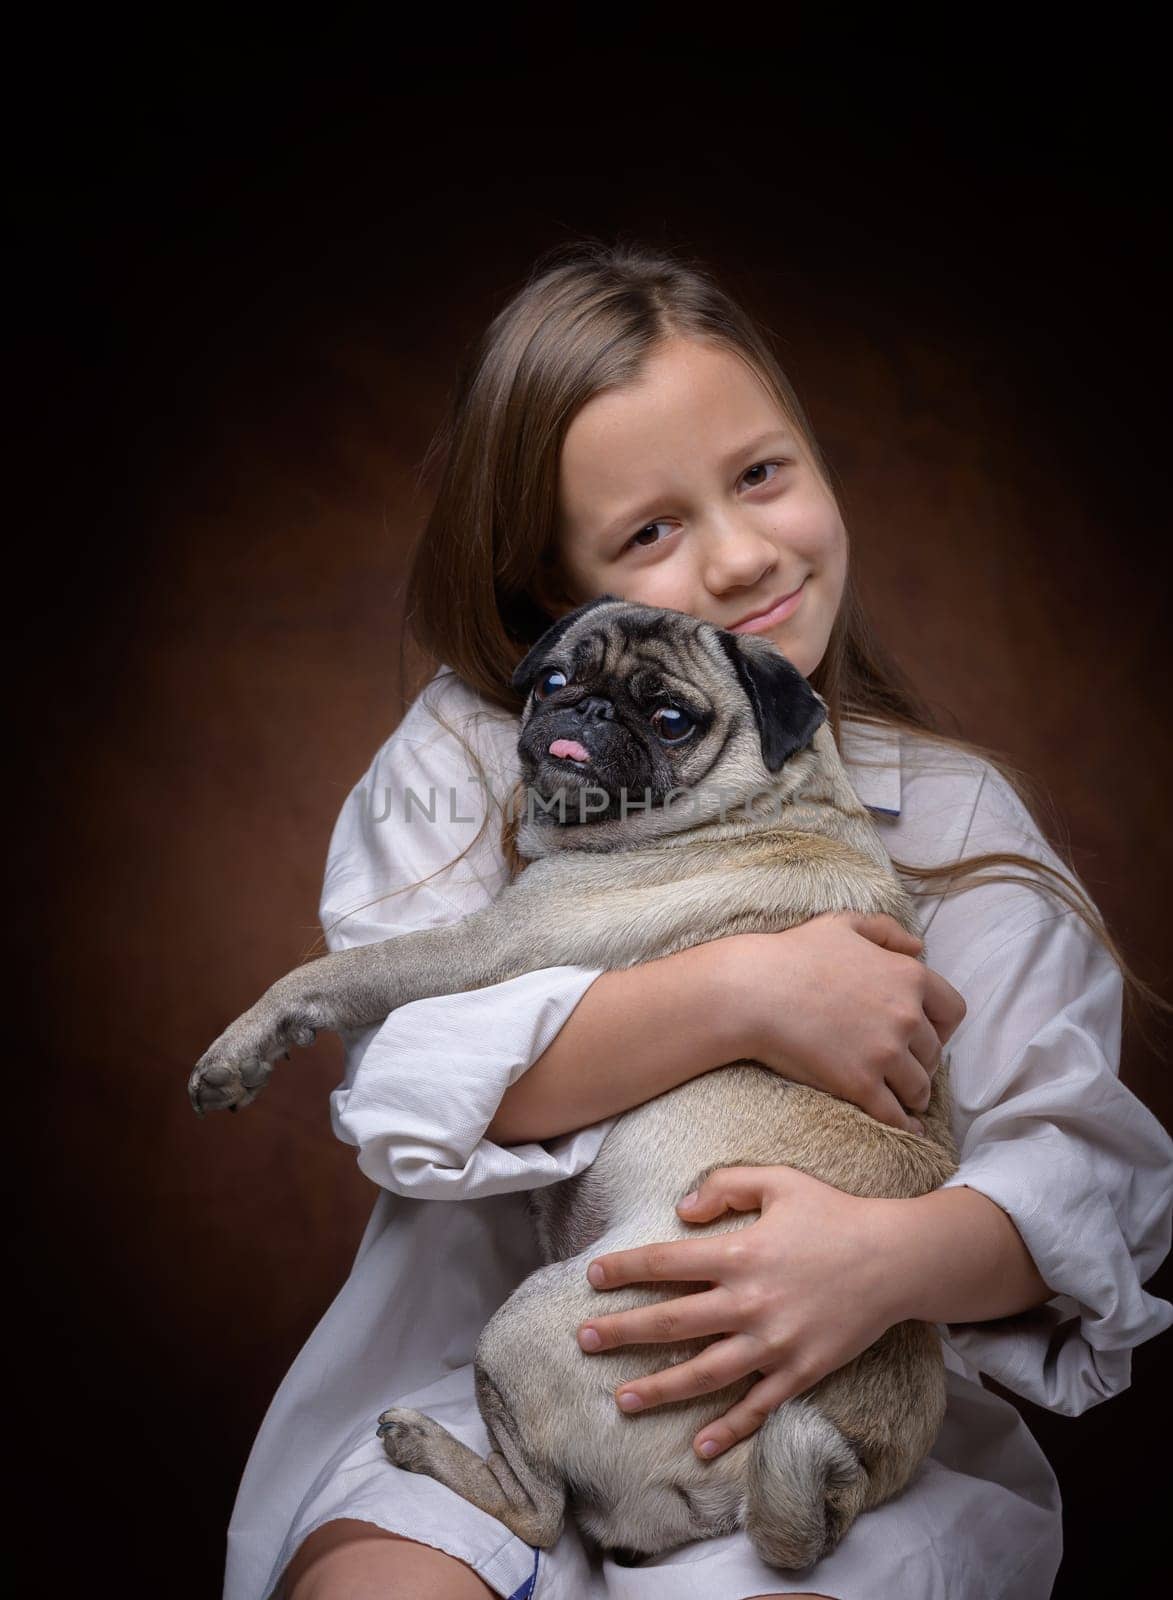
[{"x": 350, "y": 1560}]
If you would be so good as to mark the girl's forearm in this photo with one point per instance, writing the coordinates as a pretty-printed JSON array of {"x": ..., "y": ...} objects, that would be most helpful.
[
  {"x": 636, "y": 1033},
  {"x": 957, "y": 1257}
]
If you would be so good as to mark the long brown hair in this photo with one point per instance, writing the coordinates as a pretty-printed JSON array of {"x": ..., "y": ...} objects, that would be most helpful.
[{"x": 584, "y": 321}]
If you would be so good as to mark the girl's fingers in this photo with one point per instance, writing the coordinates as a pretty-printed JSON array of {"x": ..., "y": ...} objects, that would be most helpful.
[
  {"x": 925, "y": 1045},
  {"x": 731, "y": 1189},
  {"x": 884, "y": 930},
  {"x": 691, "y": 1316},
  {"x": 884, "y": 1106},
  {"x": 747, "y": 1416},
  {"x": 943, "y": 1005},
  {"x": 676, "y": 1260},
  {"x": 717, "y": 1366},
  {"x": 910, "y": 1082}
]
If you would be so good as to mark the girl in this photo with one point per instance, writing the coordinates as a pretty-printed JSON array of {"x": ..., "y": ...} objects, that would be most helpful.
[{"x": 625, "y": 428}]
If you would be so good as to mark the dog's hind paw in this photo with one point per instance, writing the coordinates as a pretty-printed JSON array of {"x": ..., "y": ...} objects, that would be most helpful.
[{"x": 408, "y": 1437}]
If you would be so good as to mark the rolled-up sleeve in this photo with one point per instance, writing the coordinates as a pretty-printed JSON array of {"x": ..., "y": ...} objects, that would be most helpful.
[
  {"x": 1050, "y": 1134},
  {"x": 429, "y": 1082},
  {"x": 420, "y": 1089}
]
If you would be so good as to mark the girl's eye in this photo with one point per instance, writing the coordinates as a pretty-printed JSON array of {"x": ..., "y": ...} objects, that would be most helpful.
[
  {"x": 648, "y": 529},
  {"x": 672, "y": 726},
  {"x": 758, "y": 467},
  {"x": 548, "y": 682}
]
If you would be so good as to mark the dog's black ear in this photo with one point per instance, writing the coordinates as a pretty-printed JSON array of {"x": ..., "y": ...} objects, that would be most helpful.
[
  {"x": 527, "y": 668},
  {"x": 787, "y": 709}
]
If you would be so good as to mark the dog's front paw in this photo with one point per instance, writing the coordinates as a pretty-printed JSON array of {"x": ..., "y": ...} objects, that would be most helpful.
[
  {"x": 234, "y": 1070},
  {"x": 219, "y": 1083}
]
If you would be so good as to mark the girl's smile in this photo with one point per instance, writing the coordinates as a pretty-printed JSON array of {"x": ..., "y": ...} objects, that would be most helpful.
[
  {"x": 691, "y": 489},
  {"x": 763, "y": 621}
]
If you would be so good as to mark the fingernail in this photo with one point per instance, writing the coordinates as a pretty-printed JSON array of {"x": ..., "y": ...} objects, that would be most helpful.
[
  {"x": 710, "y": 1447},
  {"x": 689, "y": 1200},
  {"x": 589, "y": 1339},
  {"x": 595, "y": 1275},
  {"x": 630, "y": 1402}
]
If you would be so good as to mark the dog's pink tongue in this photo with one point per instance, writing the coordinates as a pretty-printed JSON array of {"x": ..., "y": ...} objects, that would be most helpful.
[{"x": 569, "y": 748}]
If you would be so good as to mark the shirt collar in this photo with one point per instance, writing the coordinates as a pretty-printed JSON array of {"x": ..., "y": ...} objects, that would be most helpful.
[{"x": 872, "y": 757}]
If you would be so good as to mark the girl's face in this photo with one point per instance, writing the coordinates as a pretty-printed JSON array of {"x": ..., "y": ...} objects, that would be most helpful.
[{"x": 690, "y": 490}]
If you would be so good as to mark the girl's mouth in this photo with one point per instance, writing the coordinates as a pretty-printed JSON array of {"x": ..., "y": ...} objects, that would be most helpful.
[{"x": 785, "y": 607}]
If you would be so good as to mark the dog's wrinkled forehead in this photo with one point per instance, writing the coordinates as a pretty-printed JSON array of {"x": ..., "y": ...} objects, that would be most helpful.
[{"x": 615, "y": 639}]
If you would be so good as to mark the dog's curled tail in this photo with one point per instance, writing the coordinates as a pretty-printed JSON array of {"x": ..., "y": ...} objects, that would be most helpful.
[{"x": 805, "y": 1486}]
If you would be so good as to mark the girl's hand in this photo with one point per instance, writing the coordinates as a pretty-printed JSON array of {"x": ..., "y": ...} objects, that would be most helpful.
[
  {"x": 842, "y": 1003},
  {"x": 800, "y": 1293}
]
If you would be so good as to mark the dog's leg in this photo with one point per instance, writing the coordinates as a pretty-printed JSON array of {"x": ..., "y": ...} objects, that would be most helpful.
[
  {"x": 618, "y": 928},
  {"x": 529, "y": 1500},
  {"x": 347, "y": 989}
]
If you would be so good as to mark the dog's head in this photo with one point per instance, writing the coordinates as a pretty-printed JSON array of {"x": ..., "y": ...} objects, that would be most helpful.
[{"x": 642, "y": 702}]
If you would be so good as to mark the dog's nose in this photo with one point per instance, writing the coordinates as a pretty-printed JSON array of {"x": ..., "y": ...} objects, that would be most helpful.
[{"x": 598, "y": 708}]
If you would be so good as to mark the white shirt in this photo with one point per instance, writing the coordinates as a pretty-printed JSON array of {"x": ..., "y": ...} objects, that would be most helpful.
[{"x": 1044, "y": 1126}]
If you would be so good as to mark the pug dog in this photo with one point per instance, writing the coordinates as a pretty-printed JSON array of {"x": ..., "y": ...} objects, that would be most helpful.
[{"x": 682, "y": 784}]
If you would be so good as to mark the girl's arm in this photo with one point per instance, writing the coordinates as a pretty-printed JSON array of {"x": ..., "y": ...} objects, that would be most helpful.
[
  {"x": 955, "y": 1256},
  {"x": 839, "y": 1002},
  {"x": 635, "y": 1034},
  {"x": 1079, "y": 1165},
  {"x": 1034, "y": 1255}
]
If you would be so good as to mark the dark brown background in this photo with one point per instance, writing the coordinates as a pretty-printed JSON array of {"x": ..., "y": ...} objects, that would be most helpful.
[{"x": 249, "y": 278}]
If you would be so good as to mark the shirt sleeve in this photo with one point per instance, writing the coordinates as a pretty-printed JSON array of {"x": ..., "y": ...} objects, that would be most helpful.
[
  {"x": 1049, "y": 1133},
  {"x": 420, "y": 1089}
]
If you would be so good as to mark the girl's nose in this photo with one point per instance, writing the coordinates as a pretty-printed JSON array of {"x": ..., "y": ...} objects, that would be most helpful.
[{"x": 736, "y": 557}]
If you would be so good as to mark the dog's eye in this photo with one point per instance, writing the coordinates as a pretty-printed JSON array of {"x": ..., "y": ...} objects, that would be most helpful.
[
  {"x": 548, "y": 682},
  {"x": 672, "y": 726}
]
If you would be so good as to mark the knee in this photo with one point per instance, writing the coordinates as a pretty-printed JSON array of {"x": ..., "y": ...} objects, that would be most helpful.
[
  {"x": 332, "y": 1554},
  {"x": 352, "y": 1560}
]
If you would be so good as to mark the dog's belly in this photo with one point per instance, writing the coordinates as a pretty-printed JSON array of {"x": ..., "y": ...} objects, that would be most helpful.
[
  {"x": 739, "y": 1115},
  {"x": 563, "y": 1399},
  {"x": 746, "y": 1115}
]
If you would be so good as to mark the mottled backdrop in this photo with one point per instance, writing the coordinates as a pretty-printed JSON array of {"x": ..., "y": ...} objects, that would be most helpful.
[{"x": 250, "y": 280}]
